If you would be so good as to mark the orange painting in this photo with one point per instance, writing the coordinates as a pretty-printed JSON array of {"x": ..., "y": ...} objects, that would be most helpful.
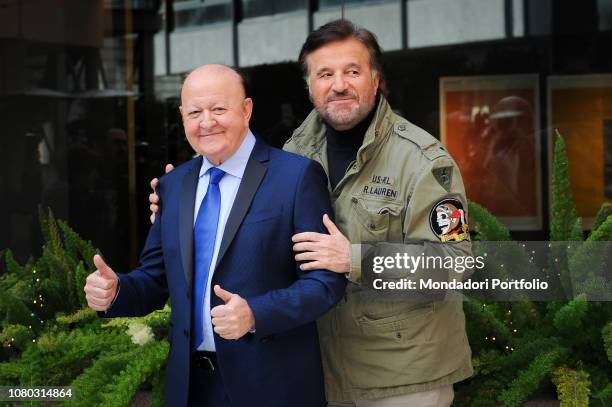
[
  {"x": 581, "y": 109},
  {"x": 489, "y": 125}
]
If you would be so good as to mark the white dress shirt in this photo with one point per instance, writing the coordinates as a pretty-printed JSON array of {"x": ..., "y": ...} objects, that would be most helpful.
[{"x": 234, "y": 169}]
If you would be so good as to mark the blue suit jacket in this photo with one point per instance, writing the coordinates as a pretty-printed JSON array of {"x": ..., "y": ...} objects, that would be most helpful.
[{"x": 280, "y": 364}]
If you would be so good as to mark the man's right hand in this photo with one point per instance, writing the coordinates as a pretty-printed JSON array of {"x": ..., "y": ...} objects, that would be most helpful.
[
  {"x": 101, "y": 286},
  {"x": 153, "y": 198}
]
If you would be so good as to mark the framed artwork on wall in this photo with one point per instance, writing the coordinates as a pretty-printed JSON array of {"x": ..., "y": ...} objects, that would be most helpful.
[
  {"x": 491, "y": 126},
  {"x": 580, "y": 108}
]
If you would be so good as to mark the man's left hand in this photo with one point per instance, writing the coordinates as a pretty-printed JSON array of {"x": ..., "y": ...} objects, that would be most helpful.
[
  {"x": 323, "y": 251},
  {"x": 233, "y": 319}
]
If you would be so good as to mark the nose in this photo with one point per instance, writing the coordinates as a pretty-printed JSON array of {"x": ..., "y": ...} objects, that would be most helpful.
[
  {"x": 208, "y": 120},
  {"x": 339, "y": 85}
]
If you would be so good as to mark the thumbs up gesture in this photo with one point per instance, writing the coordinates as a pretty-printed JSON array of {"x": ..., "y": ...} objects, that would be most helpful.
[
  {"x": 233, "y": 319},
  {"x": 101, "y": 286}
]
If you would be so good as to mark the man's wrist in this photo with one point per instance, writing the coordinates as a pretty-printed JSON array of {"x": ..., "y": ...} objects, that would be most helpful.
[{"x": 116, "y": 295}]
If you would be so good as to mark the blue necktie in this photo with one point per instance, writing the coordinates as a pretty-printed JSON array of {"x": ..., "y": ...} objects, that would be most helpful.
[{"x": 204, "y": 235}]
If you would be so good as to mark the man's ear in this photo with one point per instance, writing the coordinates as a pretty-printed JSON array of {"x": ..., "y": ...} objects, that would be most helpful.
[
  {"x": 376, "y": 80},
  {"x": 248, "y": 108},
  {"x": 181, "y": 111}
]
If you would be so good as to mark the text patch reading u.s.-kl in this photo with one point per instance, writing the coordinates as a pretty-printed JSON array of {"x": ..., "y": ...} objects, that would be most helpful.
[{"x": 380, "y": 186}]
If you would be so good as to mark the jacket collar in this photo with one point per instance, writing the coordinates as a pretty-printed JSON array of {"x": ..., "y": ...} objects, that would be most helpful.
[{"x": 310, "y": 136}]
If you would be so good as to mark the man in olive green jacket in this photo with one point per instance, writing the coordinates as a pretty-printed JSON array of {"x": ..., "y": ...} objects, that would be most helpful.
[
  {"x": 395, "y": 187},
  {"x": 400, "y": 186}
]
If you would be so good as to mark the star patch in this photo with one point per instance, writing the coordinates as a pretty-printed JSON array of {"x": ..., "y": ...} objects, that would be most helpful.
[
  {"x": 448, "y": 221},
  {"x": 444, "y": 176}
]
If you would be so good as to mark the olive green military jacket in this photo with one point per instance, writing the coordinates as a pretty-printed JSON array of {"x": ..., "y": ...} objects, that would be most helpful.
[{"x": 402, "y": 183}]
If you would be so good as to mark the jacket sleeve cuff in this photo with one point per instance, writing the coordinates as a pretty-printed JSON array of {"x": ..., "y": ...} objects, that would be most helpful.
[
  {"x": 116, "y": 295},
  {"x": 263, "y": 325},
  {"x": 354, "y": 274},
  {"x": 108, "y": 313}
]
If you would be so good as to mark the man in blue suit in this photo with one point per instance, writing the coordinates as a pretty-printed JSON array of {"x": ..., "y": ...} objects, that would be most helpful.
[{"x": 242, "y": 331}]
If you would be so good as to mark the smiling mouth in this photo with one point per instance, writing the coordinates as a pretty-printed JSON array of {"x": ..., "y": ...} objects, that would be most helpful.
[{"x": 342, "y": 100}]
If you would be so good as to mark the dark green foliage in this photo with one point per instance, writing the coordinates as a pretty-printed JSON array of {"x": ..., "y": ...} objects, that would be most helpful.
[
  {"x": 59, "y": 357},
  {"x": 484, "y": 323},
  {"x": 530, "y": 379},
  {"x": 485, "y": 225},
  {"x": 159, "y": 388},
  {"x": 606, "y": 333},
  {"x": 114, "y": 377},
  {"x": 12, "y": 267},
  {"x": 15, "y": 336},
  {"x": 563, "y": 211},
  {"x": 604, "y": 397},
  {"x": 32, "y": 294},
  {"x": 88, "y": 385},
  {"x": 603, "y": 231},
  {"x": 50, "y": 339},
  {"x": 575, "y": 234},
  {"x": 150, "y": 359},
  {"x": 10, "y": 372},
  {"x": 81, "y": 317},
  {"x": 79, "y": 282},
  {"x": 571, "y": 317},
  {"x": 602, "y": 215}
]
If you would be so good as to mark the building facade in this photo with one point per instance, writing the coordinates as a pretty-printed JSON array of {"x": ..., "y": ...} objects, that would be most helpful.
[{"x": 89, "y": 98}]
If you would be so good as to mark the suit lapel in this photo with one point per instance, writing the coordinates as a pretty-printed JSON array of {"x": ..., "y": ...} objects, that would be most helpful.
[
  {"x": 186, "y": 208},
  {"x": 253, "y": 175}
]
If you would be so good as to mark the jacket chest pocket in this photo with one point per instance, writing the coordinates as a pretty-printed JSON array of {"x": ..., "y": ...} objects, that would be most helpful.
[{"x": 376, "y": 220}]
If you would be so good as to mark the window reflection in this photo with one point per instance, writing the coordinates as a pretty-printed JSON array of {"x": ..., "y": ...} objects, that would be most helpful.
[
  {"x": 257, "y": 8},
  {"x": 193, "y": 13},
  {"x": 338, "y": 3}
]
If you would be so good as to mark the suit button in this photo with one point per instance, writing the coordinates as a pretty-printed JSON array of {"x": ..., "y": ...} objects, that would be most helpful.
[{"x": 186, "y": 333}]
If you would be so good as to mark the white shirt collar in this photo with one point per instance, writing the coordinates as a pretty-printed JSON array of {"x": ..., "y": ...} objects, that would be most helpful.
[{"x": 236, "y": 164}]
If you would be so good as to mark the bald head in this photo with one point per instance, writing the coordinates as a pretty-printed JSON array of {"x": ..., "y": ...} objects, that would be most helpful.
[
  {"x": 217, "y": 72},
  {"x": 215, "y": 111}
]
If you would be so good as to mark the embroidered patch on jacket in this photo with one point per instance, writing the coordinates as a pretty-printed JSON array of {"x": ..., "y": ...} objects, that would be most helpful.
[
  {"x": 444, "y": 176},
  {"x": 448, "y": 221}
]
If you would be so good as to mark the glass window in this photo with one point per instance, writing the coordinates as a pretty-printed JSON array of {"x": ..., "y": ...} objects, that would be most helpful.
[
  {"x": 338, "y": 3},
  {"x": 193, "y": 13},
  {"x": 256, "y": 8}
]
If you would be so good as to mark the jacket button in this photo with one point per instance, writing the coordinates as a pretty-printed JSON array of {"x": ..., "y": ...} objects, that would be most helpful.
[
  {"x": 401, "y": 127},
  {"x": 186, "y": 333},
  {"x": 354, "y": 200},
  {"x": 372, "y": 226}
]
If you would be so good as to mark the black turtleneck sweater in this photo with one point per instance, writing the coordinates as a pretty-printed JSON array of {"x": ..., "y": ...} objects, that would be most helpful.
[{"x": 342, "y": 147}]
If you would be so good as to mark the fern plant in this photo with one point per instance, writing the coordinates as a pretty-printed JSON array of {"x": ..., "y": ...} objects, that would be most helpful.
[{"x": 50, "y": 337}]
